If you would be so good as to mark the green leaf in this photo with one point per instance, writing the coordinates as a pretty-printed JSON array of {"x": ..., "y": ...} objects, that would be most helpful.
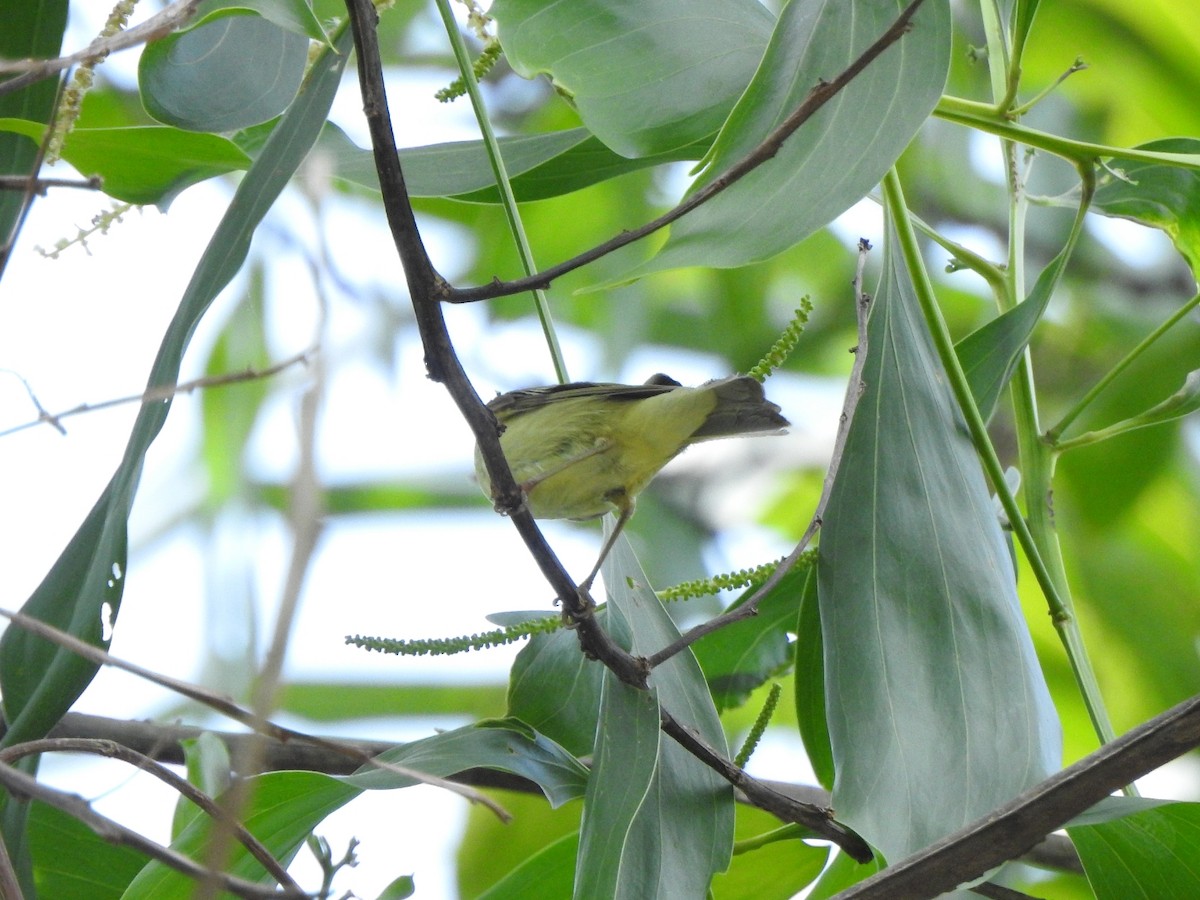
[
  {"x": 284, "y": 807},
  {"x": 656, "y": 821},
  {"x": 989, "y": 355},
  {"x": 811, "y": 716},
  {"x": 144, "y": 164},
  {"x": 294, "y": 15},
  {"x": 838, "y": 155},
  {"x": 539, "y": 165},
  {"x": 842, "y": 873},
  {"x": 400, "y": 889},
  {"x": 938, "y": 711},
  {"x": 554, "y": 688},
  {"x": 647, "y": 76},
  {"x": 71, "y": 862},
  {"x": 33, "y": 29},
  {"x": 1160, "y": 196},
  {"x": 232, "y": 70},
  {"x": 82, "y": 591},
  {"x": 506, "y": 745},
  {"x": 792, "y": 864},
  {"x": 548, "y": 873},
  {"x": 741, "y": 657},
  {"x": 1152, "y": 855}
]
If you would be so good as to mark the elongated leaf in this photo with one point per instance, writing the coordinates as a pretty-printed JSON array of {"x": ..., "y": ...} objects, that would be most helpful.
[
  {"x": 839, "y": 154},
  {"x": 143, "y": 164},
  {"x": 647, "y": 76},
  {"x": 82, "y": 592},
  {"x": 811, "y": 716},
  {"x": 656, "y": 821},
  {"x": 938, "y": 711},
  {"x": 539, "y": 165},
  {"x": 1164, "y": 197},
  {"x": 33, "y": 29},
  {"x": 554, "y": 688},
  {"x": 1151, "y": 855},
  {"x": 232, "y": 70}
]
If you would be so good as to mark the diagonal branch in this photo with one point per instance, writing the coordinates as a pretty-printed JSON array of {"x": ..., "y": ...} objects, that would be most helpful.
[
  {"x": 425, "y": 287},
  {"x": 817, "y": 98}
]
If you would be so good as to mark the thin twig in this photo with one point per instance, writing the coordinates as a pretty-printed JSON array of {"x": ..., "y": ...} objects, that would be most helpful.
[
  {"x": 159, "y": 25},
  {"x": 25, "y": 786},
  {"x": 41, "y": 185},
  {"x": 854, "y": 390},
  {"x": 227, "y": 707},
  {"x": 156, "y": 394},
  {"x": 817, "y": 98},
  {"x": 115, "y": 750}
]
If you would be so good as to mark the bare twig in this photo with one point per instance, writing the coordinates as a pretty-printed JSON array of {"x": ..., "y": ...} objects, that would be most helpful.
[
  {"x": 227, "y": 707},
  {"x": 115, "y": 750},
  {"x": 25, "y": 786},
  {"x": 854, "y": 390},
  {"x": 817, "y": 98},
  {"x": 159, "y": 25},
  {"x": 1007, "y": 832},
  {"x": 41, "y": 185},
  {"x": 156, "y": 394}
]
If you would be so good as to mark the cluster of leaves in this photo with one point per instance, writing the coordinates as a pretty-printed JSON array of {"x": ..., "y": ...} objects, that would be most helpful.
[{"x": 924, "y": 696}]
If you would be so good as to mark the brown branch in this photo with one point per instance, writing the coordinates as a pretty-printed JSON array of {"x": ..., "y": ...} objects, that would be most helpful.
[
  {"x": 115, "y": 750},
  {"x": 854, "y": 390},
  {"x": 817, "y": 98},
  {"x": 425, "y": 287},
  {"x": 25, "y": 786},
  {"x": 1009, "y": 831},
  {"x": 759, "y": 794}
]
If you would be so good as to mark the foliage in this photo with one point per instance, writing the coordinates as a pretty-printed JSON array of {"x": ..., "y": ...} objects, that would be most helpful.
[{"x": 930, "y": 686}]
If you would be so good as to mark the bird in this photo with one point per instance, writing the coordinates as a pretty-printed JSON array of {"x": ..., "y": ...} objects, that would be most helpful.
[{"x": 583, "y": 449}]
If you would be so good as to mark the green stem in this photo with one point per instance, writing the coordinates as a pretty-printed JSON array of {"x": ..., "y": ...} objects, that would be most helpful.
[
  {"x": 1053, "y": 435},
  {"x": 997, "y": 48},
  {"x": 790, "y": 832},
  {"x": 1050, "y": 576},
  {"x": 983, "y": 117},
  {"x": 508, "y": 200}
]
